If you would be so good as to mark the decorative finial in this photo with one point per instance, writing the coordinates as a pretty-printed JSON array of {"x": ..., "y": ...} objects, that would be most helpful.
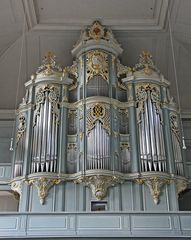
[
  {"x": 145, "y": 63},
  {"x": 49, "y": 66},
  {"x": 96, "y": 31}
]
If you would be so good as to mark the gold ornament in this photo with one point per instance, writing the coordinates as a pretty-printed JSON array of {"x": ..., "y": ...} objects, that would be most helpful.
[
  {"x": 99, "y": 184},
  {"x": 43, "y": 185},
  {"x": 146, "y": 63},
  {"x": 49, "y": 66},
  {"x": 97, "y": 64},
  {"x": 155, "y": 185}
]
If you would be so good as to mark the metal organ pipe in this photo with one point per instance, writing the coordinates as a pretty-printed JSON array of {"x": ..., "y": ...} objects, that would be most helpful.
[
  {"x": 98, "y": 148},
  {"x": 150, "y": 127},
  {"x": 176, "y": 144},
  {"x": 45, "y": 130},
  {"x": 20, "y": 146}
]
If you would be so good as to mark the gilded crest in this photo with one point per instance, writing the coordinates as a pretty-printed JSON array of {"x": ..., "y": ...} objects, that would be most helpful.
[{"x": 97, "y": 64}]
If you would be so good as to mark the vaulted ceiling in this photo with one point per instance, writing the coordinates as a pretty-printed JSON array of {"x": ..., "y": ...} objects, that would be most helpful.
[{"x": 55, "y": 25}]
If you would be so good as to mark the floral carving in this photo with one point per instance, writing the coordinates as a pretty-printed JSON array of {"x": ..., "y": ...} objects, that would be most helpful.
[
  {"x": 155, "y": 185},
  {"x": 99, "y": 184},
  {"x": 43, "y": 185}
]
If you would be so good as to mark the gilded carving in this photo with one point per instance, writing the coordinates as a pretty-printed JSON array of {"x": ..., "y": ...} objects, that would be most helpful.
[
  {"x": 145, "y": 63},
  {"x": 144, "y": 93},
  {"x": 155, "y": 185},
  {"x": 97, "y": 64},
  {"x": 49, "y": 66},
  {"x": 52, "y": 94},
  {"x": 97, "y": 32},
  {"x": 123, "y": 70},
  {"x": 43, "y": 185},
  {"x": 98, "y": 112},
  {"x": 17, "y": 186},
  {"x": 99, "y": 184},
  {"x": 181, "y": 185}
]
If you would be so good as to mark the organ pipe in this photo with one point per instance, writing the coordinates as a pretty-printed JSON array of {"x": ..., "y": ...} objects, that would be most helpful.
[
  {"x": 45, "y": 130},
  {"x": 150, "y": 125},
  {"x": 20, "y": 146},
  {"x": 176, "y": 144},
  {"x": 98, "y": 151}
]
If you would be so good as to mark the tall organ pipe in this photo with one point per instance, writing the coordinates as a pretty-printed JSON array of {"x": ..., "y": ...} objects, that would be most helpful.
[
  {"x": 98, "y": 148},
  {"x": 20, "y": 146},
  {"x": 45, "y": 130},
  {"x": 150, "y": 127},
  {"x": 176, "y": 144}
]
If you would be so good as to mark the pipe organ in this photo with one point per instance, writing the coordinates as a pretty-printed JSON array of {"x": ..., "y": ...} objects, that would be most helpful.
[{"x": 98, "y": 123}]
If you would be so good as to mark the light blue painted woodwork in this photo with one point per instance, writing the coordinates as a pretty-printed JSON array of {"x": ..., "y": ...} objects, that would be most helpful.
[
  {"x": 90, "y": 225},
  {"x": 149, "y": 205},
  {"x": 5, "y": 171}
]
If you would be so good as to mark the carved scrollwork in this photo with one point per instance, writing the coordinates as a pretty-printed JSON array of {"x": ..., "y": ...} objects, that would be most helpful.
[
  {"x": 43, "y": 185},
  {"x": 17, "y": 186},
  {"x": 123, "y": 70},
  {"x": 49, "y": 66},
  {"x": 21, "y": 127},
  {"x": 155, "y": 185},
  {"x": 174, "y": 123},
  {"x": 97, "y": 32},
  {"x": 97, "y": 64},
  {"x": 98, "y": 112},
  {"x": 145, "y": 92},
  {"x": 72, "y": 71},
  {"x": 52, "y": 94},
  {"x": 146, "y": 63},
  {"x": 181, "y": 185},
  {"x": 99, "y": 184}
]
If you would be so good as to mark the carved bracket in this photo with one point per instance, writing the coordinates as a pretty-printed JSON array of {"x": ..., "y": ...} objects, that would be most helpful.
[
  {"x": 99, "y": 184},
  {"x": 17, "y": 186},
  {"x": 181, "y": 185},
  {"x": 155, "y": 185},
  {"x": 43, "y": 185}
]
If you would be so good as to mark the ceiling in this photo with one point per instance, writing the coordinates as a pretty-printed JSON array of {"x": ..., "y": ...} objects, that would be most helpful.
[{"x": 55, "y": 25}]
